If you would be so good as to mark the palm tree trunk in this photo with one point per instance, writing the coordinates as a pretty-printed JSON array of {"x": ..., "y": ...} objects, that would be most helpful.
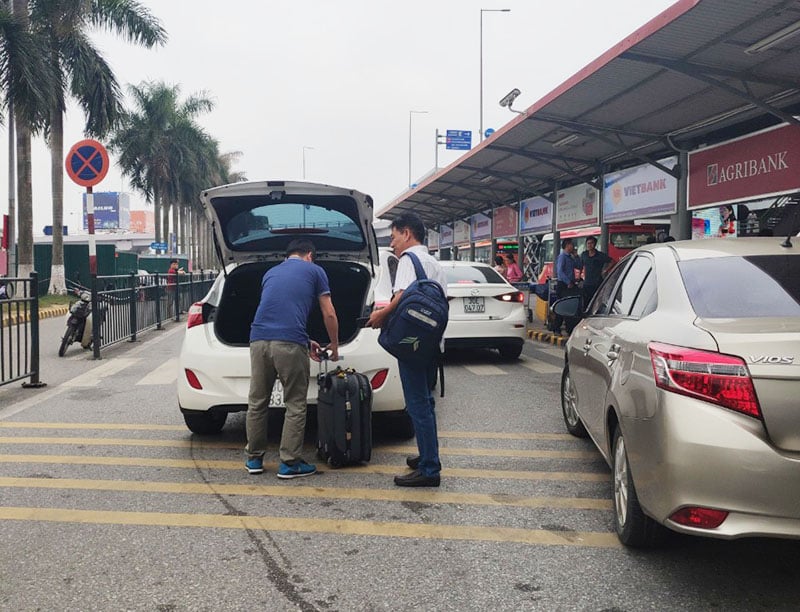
[
  {"x": 24, "y": 175},
  {"x": 183, "y": 242},
  {"x": 165, "y": 223},
  {"x": 157, "y": 214},
  {"x": 176, "y": 227},
  {"x": 57, "y": 283}
]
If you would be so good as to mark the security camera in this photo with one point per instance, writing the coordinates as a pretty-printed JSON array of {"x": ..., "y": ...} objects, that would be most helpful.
[{"x": 509, "y": 98}]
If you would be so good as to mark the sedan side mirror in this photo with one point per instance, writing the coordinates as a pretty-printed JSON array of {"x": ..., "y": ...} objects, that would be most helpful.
[{"x": 569, "y": 307}]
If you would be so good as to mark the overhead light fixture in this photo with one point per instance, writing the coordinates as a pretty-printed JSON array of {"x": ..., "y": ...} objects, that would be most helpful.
[
  {"x": 565, "y": 141},
  {"x": 486, "y": 179},
  {"x": 774, "y": 39}
]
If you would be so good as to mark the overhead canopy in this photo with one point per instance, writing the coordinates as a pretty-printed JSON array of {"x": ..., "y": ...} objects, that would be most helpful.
[{"x": 700, "y": 72}]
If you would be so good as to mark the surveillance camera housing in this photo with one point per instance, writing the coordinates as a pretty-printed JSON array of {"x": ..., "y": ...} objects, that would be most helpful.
[{"x": 509, "y": 98}]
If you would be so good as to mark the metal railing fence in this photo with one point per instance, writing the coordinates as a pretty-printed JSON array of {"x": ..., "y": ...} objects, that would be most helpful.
[{"x": 19, "y": 330}]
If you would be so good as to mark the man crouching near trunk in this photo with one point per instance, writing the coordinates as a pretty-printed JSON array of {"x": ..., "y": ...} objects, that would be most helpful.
[{"x": 407, "y": 235}]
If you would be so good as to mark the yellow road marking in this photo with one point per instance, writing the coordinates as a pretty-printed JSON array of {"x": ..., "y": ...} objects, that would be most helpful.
[
  {"x": 444, "y": 450},
  {"x": 467, "y": 435},
  {"x": 373, "y": 468},
  {"x": 393, "y": 495},
  {"x": 315, "y": 525}
]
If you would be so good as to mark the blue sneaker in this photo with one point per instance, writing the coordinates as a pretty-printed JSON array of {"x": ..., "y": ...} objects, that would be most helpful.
[
  {"x": 255, "y": 465},
  {"x": 298, "y": 470}
]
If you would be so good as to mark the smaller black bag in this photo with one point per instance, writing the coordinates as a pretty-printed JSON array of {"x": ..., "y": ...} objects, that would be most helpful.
[
  {"x": 415, "y": 328},
  {"x": 344, "y": 417}
]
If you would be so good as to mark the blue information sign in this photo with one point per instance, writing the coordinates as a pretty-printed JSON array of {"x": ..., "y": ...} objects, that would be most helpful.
[
  {"x": 459, "y": 139},
  {"x": 158, "y": 246}
]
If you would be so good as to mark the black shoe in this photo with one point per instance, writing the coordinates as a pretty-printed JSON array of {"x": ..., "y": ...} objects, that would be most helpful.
[
  {"x": 416, "y": 479},
  {"x": 412, "y": 461}
]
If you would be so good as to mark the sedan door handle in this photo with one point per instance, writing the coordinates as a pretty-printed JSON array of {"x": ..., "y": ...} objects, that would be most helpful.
[
  {"x": 613, "y": 352},
  {"x": 587, "y": 346}
]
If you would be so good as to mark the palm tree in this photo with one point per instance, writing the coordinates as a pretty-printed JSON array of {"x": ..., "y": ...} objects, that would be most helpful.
[
  {"x": 80, "y": 70},
  {"x": 25, "y": 87},
  {"x": 159, "y": 146}
]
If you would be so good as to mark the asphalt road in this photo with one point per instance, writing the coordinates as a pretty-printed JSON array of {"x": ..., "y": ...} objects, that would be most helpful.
[{"x": 109, "y": 503}]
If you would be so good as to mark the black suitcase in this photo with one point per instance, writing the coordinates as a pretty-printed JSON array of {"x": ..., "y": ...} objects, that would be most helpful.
[{"x": 344, "y": 417}]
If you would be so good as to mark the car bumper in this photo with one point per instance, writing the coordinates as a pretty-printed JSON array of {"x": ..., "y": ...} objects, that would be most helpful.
[
  {"x": 224, "y": 372},
  {"x": 692, "y": 453},
  {"x": 488, "y": 334}
]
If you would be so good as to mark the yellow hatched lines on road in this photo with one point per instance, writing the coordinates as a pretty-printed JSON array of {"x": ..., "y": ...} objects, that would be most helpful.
[{"x": 179, "y": 486}]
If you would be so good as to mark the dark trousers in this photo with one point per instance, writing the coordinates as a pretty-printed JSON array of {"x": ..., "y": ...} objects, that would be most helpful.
[{"x": 562, "y": 291}]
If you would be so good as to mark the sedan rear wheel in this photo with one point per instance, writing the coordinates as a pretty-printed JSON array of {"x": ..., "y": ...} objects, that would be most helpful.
[
  {"x": 634, "y": 527},
  {"x": 569, "y": 405}
]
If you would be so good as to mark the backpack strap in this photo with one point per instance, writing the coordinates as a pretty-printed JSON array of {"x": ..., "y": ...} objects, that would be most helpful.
[{"x": 420, "y": 271}]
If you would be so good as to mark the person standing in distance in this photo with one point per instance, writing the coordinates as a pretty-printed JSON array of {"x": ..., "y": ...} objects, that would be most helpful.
[
  {"x": 566, "y": 264},
  {"x": 280, "y": 349},
  {"x": 407, "y": 235},
  {"x": 595, "y": 265}
]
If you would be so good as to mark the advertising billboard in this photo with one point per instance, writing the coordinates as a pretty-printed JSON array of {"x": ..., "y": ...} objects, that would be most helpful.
[
  {"x": 461, "y": 231},
  {"x": 535, "y": 216},
  {"x": 504, "y": 223},
  {"x": 445, "y": 236},
  {"x": 433, "y": 239},
  {"x": 643, "y": 191},
  {"x": 766, "y": 163},
  {"x": 577, "y": 207},
  {"x": 480, "y": 227},
  {"x": 112, "y": 210}
]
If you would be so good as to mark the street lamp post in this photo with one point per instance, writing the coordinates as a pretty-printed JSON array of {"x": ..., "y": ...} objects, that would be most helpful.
[
  {"x": 481, "y": 79},
  {"x": 410, "y": 114},
  {"x": 304, "y": 160}
]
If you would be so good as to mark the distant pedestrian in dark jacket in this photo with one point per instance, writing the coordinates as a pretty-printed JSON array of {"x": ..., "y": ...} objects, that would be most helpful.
[{"x": 595, "y": 265}]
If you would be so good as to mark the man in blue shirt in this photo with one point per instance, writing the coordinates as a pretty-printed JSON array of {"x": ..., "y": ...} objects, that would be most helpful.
[
  {"x": 280, "y": 349},
  {"x": 566, "y": 264}
]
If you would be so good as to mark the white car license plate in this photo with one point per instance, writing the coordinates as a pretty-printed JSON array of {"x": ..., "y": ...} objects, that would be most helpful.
[
  {"x": 474, "y": 304},
  {"x": 276, "y": 399}
]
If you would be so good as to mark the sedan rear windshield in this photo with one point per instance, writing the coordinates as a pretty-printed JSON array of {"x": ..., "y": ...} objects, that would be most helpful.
[
  {"x": 743, "y": 287},
  {"x": 260, "y": 223},
  {"x": 472, "y": 274}
]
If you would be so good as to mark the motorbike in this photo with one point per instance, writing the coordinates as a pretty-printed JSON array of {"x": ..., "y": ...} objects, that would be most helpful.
[{"x": 79, "y": 323}]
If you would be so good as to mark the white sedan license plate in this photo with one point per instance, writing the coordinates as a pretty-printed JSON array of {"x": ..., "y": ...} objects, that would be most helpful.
[
  {"x": 276, "y": 399},
  {"x": 474, "y": 304}
]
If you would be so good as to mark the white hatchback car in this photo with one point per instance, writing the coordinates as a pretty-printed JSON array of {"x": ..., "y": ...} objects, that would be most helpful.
[{"x": 253, "y": 224}]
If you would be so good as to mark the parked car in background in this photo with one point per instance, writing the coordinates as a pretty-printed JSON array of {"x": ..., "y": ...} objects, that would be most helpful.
[
  {"x": 685, "y": 372},
  {"x": 253, "y": 224}
]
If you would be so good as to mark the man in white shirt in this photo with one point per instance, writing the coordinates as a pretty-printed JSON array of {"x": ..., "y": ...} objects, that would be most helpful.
[{"x": 407, "y": 235}]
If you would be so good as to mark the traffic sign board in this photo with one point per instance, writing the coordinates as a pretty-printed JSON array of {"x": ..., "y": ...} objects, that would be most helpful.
[
  {"x": 459, "y": 140},
  {"x": 158, "y": 246},
  {"x": 87, "y": 163},
  {"x": 488, "y": 132}
]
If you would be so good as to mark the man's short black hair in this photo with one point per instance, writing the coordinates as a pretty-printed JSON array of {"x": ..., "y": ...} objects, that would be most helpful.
[
  {"x": 592, "y": 238},
  {"x": 565, "y": 242},
  {"x": 172, "y": 261},
  {"x": 412, "y": 222},
  {"x": 302, "y": 247}
]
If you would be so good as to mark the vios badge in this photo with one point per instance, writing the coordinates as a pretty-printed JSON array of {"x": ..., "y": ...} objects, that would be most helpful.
[{"x": 774, "y": 359}]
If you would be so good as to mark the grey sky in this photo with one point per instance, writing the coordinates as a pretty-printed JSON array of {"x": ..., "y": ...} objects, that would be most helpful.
[{"x": 341, "y": 76}]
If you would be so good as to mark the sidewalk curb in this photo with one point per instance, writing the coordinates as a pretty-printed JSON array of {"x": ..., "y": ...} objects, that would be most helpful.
[
  {"x": 547, "y": 337},
  {"x": 44, "y": 313}
]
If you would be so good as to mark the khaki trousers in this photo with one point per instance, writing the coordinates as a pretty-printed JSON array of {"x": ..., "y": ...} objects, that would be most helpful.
[{"x": 287, "y": 362}]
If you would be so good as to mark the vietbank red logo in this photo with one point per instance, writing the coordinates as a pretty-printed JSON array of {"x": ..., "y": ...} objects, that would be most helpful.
[{"x": 716, "y": 174}]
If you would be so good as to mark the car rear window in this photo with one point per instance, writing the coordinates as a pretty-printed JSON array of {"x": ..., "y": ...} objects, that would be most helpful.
[
  {"x": 259, "y": 223},
  {"x": 743, "y": 287},
  {"x": 472, "y": 274}
]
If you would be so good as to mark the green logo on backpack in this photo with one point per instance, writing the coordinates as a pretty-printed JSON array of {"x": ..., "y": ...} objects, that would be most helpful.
[{"x": 412, "y": 340}]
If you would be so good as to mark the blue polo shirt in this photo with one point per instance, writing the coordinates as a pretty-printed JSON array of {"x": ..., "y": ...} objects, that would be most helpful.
[
  {"x": 565, "y": 268},
  {"x": 288, "y": 292}
]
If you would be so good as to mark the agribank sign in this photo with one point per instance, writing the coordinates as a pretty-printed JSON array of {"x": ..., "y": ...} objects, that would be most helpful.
[{"x": 759, "y": 165}]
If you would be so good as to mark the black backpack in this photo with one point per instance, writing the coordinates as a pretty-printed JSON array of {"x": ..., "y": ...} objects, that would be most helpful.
[{"x": 416, "y": 326}]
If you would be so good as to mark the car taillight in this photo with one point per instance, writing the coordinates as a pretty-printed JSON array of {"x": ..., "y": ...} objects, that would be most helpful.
[
  {"x": 514, "y": 296},
  {"x": 192, "y": 379},
  {"x": 377, "y": 380},
  {"x": 195, "y": 315},
  {"x": 703, "y": 518},
  {"x": 720, "y": 379}
]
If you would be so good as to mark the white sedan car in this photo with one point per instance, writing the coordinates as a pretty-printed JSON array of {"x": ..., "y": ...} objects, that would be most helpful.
[
  {"x": 253, "y": 224},
  {"x": 485, "y": 310}
]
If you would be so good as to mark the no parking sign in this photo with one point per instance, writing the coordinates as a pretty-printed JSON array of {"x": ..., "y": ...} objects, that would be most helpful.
[{"x": 87, "y": 163}]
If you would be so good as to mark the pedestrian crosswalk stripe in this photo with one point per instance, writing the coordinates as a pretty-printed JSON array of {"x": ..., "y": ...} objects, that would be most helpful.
[
  {"x": 346, "y": 493},
  {"x": 556, "y": 352},
  {"x": 470, "y": 435},
  {"x": 443, "y": 450},
  {"x": 372, "y": 468},
  {"x": 93, "y": 377},
  {"x": 486, "y": 370},
  {"x": 350, "y": 527},
  {"x": 541, "y": 367},
  {"x": 165, "y": 374}
]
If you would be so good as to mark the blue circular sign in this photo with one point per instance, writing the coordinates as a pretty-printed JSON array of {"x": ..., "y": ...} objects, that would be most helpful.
[{"x": 488, "y": 132}]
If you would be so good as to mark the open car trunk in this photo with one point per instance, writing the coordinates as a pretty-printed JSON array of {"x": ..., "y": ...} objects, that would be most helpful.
[{"x": 349, "y": 283}]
